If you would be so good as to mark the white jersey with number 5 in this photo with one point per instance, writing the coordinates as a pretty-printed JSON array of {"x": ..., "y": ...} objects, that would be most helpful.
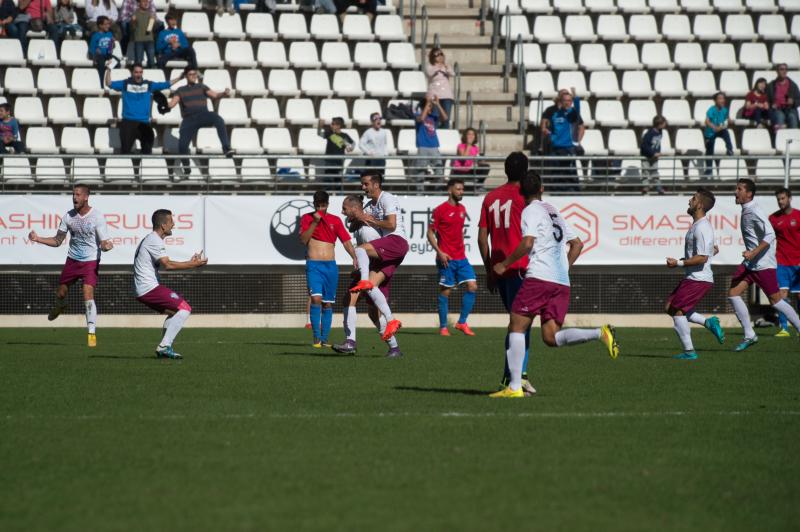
[
  {"x": 548, "y": 258},
  {"x": 85, "y": 234},
  {"x": 386, "y": 205}
]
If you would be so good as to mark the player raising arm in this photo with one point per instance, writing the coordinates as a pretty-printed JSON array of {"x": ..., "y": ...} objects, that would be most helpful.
[{"x": 88, "y": 237}]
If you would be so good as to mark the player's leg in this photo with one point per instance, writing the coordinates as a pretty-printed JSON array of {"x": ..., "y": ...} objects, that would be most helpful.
[
  {"x": 782, "y": 305},
  {"x": 515, "y": 355},
  {"x": 739, "y": 284},
  {"x": 350, "y": 314},
  {"x": 172, "y": 326},
  {"x": 364, "y": 253},
  {"x": 447, "y": 281},
  {"x": 308, "y": 313},
  {"x": 60, "y": 303},
  {"x": 465, "y": 276},
  {"x": 785, "y": 274},
  {"x": 681, "y": 325},
  {"x": 508, "y": 288},
  {"x": 376, "y": 279},
  {"x": 91, "y": 313},
  {"x": 380, "y": 323},
  {"x": 711, "y": 324},
  {"x": 331, "y": 279},
  {"x": 315, "y": 284}
]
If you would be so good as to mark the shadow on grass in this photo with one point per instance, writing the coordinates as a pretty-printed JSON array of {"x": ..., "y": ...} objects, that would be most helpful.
[
  {"x": 281, "y": 344},
  {"x": 125, "y": 357},
  {"x": 404, "y": 332},
  {"x": 454, "y": 391},
  {"x": 318, "y": 354},
  {"x": 39, "y": 343},
  {"x": 646, "y": 356}
]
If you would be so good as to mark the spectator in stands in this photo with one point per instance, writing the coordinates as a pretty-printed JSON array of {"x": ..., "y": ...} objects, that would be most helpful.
[
  {"x": 40, "y": 13},
  {"x": 716, "y": 126},
  {"x": 650, "y": 149},
  {"x": 137, "y": 98},
  {"x": 466, "y": 167},
  {"x": 172, "y": 44},
  {"x": 9, "y": 130},
  {"x": 192, "y": 98},
  {"x": 66, "y": 22},
  {"x": 129, "y": 8},
  {"x": 8, "y": 22},
  {"x": 427, "y": 120},
  {"x": 374, "y": 144},
  {"x": 439, "y": 74},
  {"x": 784, "y": 97},
  {"x": 142, "y": 25},
  {"x": 338, "y": 143},
  {"x": 222, "y": 6},
  {"x": 562, "y": 130},
  {"x": 101, "y": 46},
  {"x": 325, "y": 6},
  {"x": 370, "y": 7},
  {"x": 756, "y": 105},
  {"x": 103, "y": 8}
]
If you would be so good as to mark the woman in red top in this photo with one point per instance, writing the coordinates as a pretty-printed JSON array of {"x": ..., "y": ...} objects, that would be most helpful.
[{"x": 756, "y": 105}]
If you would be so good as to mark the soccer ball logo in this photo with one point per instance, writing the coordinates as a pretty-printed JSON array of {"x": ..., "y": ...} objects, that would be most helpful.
[{"x": 284, "y": 225}]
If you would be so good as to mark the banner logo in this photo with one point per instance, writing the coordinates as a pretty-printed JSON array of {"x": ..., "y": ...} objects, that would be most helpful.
[
  {"x": 586, "y": 224},
  {"x": 283, "y": 229}
]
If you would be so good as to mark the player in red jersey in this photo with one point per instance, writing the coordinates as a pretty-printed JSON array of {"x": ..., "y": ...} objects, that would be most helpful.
[
  {"x": 446, "y": 235},
  {"x": 319, "y": 231},
  {"x": 786, "y": 222},
  {"x": 499, "y": 234}
]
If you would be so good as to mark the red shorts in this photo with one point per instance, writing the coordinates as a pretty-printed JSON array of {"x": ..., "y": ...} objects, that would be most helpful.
[
  {"x": 162, "y": 298},
  {"x": 384, "y": 287},
  {"x": 542, "y": 298},
  {"x": 75, "y": 269},
  {"x": 688, "y": 293},
  {"x": 767, "y": 279},
  {"x": 391, "y": 249}
]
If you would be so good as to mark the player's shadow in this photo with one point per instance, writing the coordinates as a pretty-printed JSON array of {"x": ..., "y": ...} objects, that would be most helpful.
[
  {"x": 320, "y": 354},
  {"x": 454, "y": 391},
  {"x": 37, "y": 343},
  {"x": 281, "y": 344},
  {"x": 419, "y": 333},
  {"x": 125, "y": 357},
  {"x": 646, "y": 356}
]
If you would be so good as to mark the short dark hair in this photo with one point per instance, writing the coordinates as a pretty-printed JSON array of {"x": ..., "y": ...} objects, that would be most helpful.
[
  {"x": 516, "y": 166},
  {"x": 6, "y": 106},
  {"x": 530, "y": 184},
  {"x": 189, "y": 69},
  {"x": 658, "y": 120},
  {"x": 783, "y": 190},
  {"x": 321, "y": 197},
  {"x": 707, "y": 197},
  {"x": 717, "y": 94},
  {"x": 83, "y": 186},
  {"x": 137, "y": 64},
  {"x": 337, "y": 120},
  {"x": 374, "y": 176},
  {"x": 170, "y": 17},
  {"x": 454, "y": 181},
  {"x": 749, "y": 185},
  {"x": 160, "y": 217},
  {"x": 101, "y": 19}
]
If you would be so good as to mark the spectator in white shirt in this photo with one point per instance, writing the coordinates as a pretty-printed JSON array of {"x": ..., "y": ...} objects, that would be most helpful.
[{"x": 374, "y": 144}]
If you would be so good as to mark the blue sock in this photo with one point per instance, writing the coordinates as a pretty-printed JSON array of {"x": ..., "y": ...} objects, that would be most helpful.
[
  {"x": 467, "y": 302},
  {"x": 316, "y": 311},
  {"x": 443, "y": 303},
  {"x": 327, "y": 319},
  {"x": 782, "y": 320}
]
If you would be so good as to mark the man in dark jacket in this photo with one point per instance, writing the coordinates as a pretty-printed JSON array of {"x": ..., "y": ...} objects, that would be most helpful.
[
  {"x": 784, "y": 97},
  {"x": 650, "y": 149}
]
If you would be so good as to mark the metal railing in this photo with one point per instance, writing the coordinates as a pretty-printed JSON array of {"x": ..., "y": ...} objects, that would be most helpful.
[
  {"x": 469, "y": 110},
  {"x": 413, "y": 21},
  {"x": 521, "y": 99},
  {"x": 495, "y": 35},
  {"x": 423, "y": 47},
  {"x": 482, "y": 16},
  {"x": 457, "y": 96}
]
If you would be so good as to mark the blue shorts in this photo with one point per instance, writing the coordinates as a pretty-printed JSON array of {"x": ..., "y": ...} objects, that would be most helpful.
[
  {"x": 509, "y": 286},
  {"x": 457, "y": 272},
  {"x": 322, "y": 276},
  {"x": 789, "y": 278}
]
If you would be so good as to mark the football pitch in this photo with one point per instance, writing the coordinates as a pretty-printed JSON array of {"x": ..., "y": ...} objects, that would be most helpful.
[{"x": 256, "y": 430}]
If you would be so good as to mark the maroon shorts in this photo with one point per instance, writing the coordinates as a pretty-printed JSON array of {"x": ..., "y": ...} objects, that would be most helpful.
[
  {"x": 767, "y": 279},
  {"x": 162, "y": 298},
  {"x": 75, "y": 269},
  {"x": 688, "y": 293},
  {"x": 392, "y": 250},
  {"x": 542, "y": 298},
  {"x": 384, "y": 287}
]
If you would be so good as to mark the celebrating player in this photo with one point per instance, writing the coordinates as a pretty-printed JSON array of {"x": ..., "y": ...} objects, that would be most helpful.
[
  {"x": 352, "y": 208},
  {"x": 150, "y": 255},
  {"x": 759, "y": 264},
  {"x": 88, "y": 237},
  {"x": 451, "y": 259},
  {"x": 319, "y": 231},
  {"x": 383, "y": 213},
  {"x": 786, "y": 223},
  {"x": 698, "y": 250},
  {"x": 500, "y": 222},
  {"x": 552, "y": 247}
]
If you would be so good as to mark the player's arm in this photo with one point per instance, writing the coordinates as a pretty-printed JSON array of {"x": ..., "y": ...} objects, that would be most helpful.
[
  {"x": 443, "y": 257},
  {"x": 106, "y": 245},
  {"x": 305, "y": 236},
  {"x": 102, "y": 236},
  {"x": 390, "y": 223},
  {"x": 214, "y": 95},
  {"x": 196, "y": 261},
  {"x": 348, "y": 247},
  {"x": 768, "y": 238},
  {"x": 575, "y": 248},
  {"x": 524, "y": 248},
  {"x": 697, "y": 260},
  {"x": 52, "y": 241},
  {"x": 175, "y": 100}
]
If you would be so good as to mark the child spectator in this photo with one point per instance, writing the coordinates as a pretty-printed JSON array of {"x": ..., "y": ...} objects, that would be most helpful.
[
  {"x": 172, "y": 44},
  {"x": 650, "y": 149},
  {"x": 374, "y": 144},
  {"x": 339, "y": 143},
  {"x": 9, "y": 130},
  {"x": 142, "y": 24},
  {"x": 103, "y": 8},
  {"x": 101, "y": 46},
  {"x": 469, "y": 148},
  {"x": 66, "y": 23},
  {"x": 756, "y": 105},
  {"x": 717, "y": 127},
  {"x": 427, "y": 141}
]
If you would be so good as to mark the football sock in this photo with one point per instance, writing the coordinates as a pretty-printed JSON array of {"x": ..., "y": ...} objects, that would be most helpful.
[
  {"x": 381, "y": 304},
  {"x": 443, "y": 304},
  {"x": 576, "y": 336},
  {"x": 506, "y": 374},
  {"x": 174, "y": 327},
  {"x": 784, "y": 323},
  {"x": 467, "y": 302},
  {"x": 363, "y": 263},
  {"x": 743, "y": 315},
  {"x": 91, "y": 315},
  {"x": 694, "y": 317},
  {"x": 327, "y": 320},
  {"x": 786, "y": 309},
  {"x": 316, "y": 316},
  {"x": 382, "y": 327},
  {"x": 350, "y": 315},
  {"x": 684, "y": 333},
  {"x": 516, "y": 354}
]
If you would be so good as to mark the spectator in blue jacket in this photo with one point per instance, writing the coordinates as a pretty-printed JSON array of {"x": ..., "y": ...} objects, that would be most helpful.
[
  {"x": 650, "y": 149},
  {"x": 171, "y": 43},
  {"x": 101, "y": 46},
  {"x": 9, "y": 130},
  {"x": 716, "y": 126},
  {"x": 562, "y": 126},
  {"x": 431, "y": 113}
]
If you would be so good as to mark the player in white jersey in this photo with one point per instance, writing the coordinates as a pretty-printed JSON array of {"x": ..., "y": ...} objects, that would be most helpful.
[
  {"x": 759, "y": 265},
  {"x": 382, "y": 212},
  {"x": 88, "y": 236},
  {"x": 150, "y": 256},
  {"x": 552, "y": 247},
  {"x": 698, "y": 252},
  {"x": 352, "y": 209}
]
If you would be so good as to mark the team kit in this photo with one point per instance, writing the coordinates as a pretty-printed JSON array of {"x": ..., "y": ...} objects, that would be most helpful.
[{"x": 527, "y": 249}]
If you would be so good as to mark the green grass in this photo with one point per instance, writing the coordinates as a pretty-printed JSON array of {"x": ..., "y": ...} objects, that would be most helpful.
[{"x": 255, "y": 430}]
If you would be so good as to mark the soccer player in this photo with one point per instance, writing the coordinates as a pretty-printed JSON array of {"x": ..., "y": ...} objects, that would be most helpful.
[
  {"x": 352, "y": 208},
  {"x": 150, "y": 255},
  {"x": 501, "y": 213},
  {"x": 318, "y": 232},
  {"x": 759, "y": 264},
  {"x": 383, "y": 213},
  {"x": 88, "y": 237},
  {"x": 451, "y": 259},
  {"x": 552, "y": 247},
  {"x": 786, "y": 223},
  {"x": 698, "y": 250}
]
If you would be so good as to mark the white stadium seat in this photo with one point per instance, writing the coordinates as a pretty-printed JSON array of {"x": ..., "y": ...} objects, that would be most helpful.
[
  {"x": 74, "y": 53},
  {"x": 222, "y": 172},
  {"x": 401, "y": 55},
  {"x": 701, "y": 107},
  {"x": 770, "y": 170},
  {"x": 592, "y": 142},
  {"x": 357, "y": 28},
  {"x": 788, "y": 53},
  {"x": 538, "y": 7},
  {"x": 207, "y": 54},
  {"x": 573, "y": 78},
  {"x": 740, "y": 28},
  {"x": 568, "y": 6},
  {"x": 676, "y": 28},
  {"x": 234, "y": 111},
  {"x": 677, "y": 113},
  {"x": 260, "y": 26},
  {"x": 369, "y": 55},
  {"x": 17, "y": 171},
  {"x": 708, "y": 28},
  {"x": 637, "y": 84},
  {"x": 196, "y": 26},
  {"x": 283, "y": 83},
  {"x": 669, "y": 84},
  {"x": 546, "y": 28},
  {"x": 689, "y": 141},
  {"x": 689, "y": 55},
  {"x": 540, "y": 82},
  {"x": 389, "y": 28},
  {"x": 789, "y": 6},
  {"x": 41, "y": 140},
  {"x": 217, "y": 79},
  {"x": 250, "y": 82},
  {"x": 604, "y": 84},
  {"x": 97, "y": 111},
  {"x": 729, "y": 6},
  {"x": 52, "y": 81},
  {"x": 641, "y": 112},
  {"x": 316, "y": 83},
  {"x": 643, "y": 28},
  {"x": 609, "y": 113},
  {"x": 62, "y": 110},
  {"x": 600, "y": 6},
  {"x": 300, "y": 112},
  {"x": 701, "y": 83},
  {"x": 228, "y": 26},
  {"x": 560, "y": 57},
  {"x": 530, "y": 55},
  {"x": 50, "y": 171},
  {"x": 332, "y": 108},
  {"x": 292, "y": 26},
  {"x": 579, "y": 28},
  {"x": 239, "y": 54},
  {"x": 753, "y": 55},
  {"x": 625, "y": 56},
  {"x": 119, "y": 171},
  {"x": 762, "y": 6},
  {"x": 633, "y": 7},
  {"x": 42, "y": 52},
  {"x": 303, "y": 54},
  {"x": 656, "y": 56},
  {"x": 11, "y": 53},
  {"x": 272, "y": 55},
  {"x": 786, "y": 134},
  {"x": 28, "y": 110},
  {"x": 664, "y": 6},
  {"x": 697, "y": 6},
  {"x": 255, "y": 170},
  {"x": 325, "y": 27},
  {"x": 336, "y": 55},
  {"x": 265, "y": 112},
  {"x": 756, "y": 142},
  {"x": 515, "y": 27},
  {"x": 734, "y": 83},
  {"x": 721, "y": 56},
  {"x": 506, "y": 7},
  {"x": 19, "y": 81},
  {"x": 412, "y": 83},
  {"x": 347, "y": 83},
  {"x": 208, "y": 141},
  {"x": 309, "y": 142},
  {"x": 154, "y": 172},
  {"x": 378, "y": 84},
  {"x": 593, "y": 57},
  {"x": 105, "y": 140},
  {"x": 76, "y": 139},
  {"x": 363, "y": 109},
  {"x": 773, "y": 28}
]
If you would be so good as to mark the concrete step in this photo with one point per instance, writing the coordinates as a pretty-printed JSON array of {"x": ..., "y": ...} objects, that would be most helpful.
[
  {"x": 456, "y": 27},
  {"x": 496, "y": 97},
  {"x": 480, "y": 69},
  {"x": 502, "y": 143},
  {"x": 492, "y": 83},
  {"x": 457, "y": 41},
  {"x": 472, "y": 55},
  {"x": 437, "y": 4},
  {"x": 446, "y": 12},
  {"x": 495, "y": 113}
]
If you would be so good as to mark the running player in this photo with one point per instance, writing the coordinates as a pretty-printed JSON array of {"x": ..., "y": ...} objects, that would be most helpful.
[
  {"x": 759, "y": 264},
  {"x": 786, "y": 223},
  {"x": 382, "y": 212},
  {"x": 552, "y": 247},
  {"x": 446, "y": 235},
  {"x": 88, "y": 237},
  {"x": 352, "y": 208},
  {"x": 500, "y": 222},
  {"x": 698, "y": 251},
  {"x": 150, "y": 255},
  {"x": 318, "y": 232}
]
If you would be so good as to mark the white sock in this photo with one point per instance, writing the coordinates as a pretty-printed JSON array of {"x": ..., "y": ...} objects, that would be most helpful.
[
  {"x": 350, "y": 315},
  {"x": 91, "y": 316},
  {"x": 174, "y": 326},
  {"x": 576, "y": 336},
  {"x": 740, "y": 308},
  {"x": 382, "y": 327},
  {"x": 381, "y": 304},
  {"x": 789, "y": 312},
  {"x": 515, "y": 356},
  {"x": 684, "y": 333},
  {"x": 694, "y": 317},
  {"x": 363, "y": 263}
]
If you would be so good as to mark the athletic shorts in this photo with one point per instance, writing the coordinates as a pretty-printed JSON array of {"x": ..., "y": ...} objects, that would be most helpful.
[
  {"x": 688, "y": 293},
  {"x": 456, "y": 272},
  {"x": 162, "y": 298},
  {"x": 391, "y": 249},
  {"x": 508, "y": 287},
  {"x": 322, "y": 276},
  {"x": 542, "y": 298},
  {"x": 76, "y": 269},
  {"x": 789, "y": 278},
  {"x": 767, "y": 279}
]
